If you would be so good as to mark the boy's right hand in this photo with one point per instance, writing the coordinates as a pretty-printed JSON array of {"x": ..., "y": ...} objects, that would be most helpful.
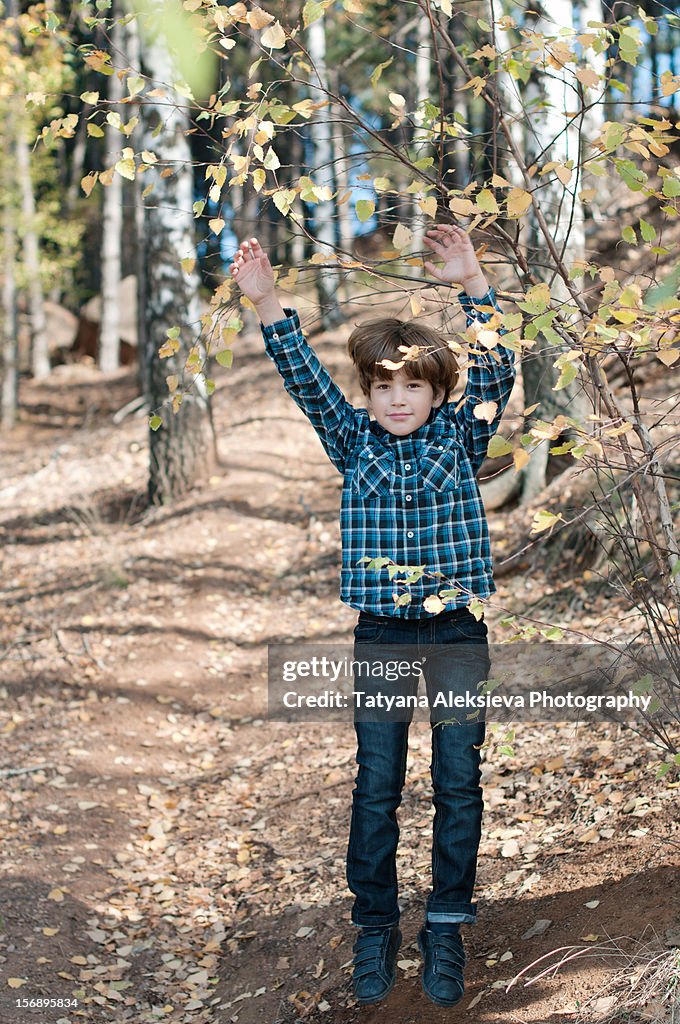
[{"x": 253, "y": 272}]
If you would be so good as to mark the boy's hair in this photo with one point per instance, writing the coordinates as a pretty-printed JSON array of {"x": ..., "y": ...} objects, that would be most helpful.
[{"x": 376, "y": 340}]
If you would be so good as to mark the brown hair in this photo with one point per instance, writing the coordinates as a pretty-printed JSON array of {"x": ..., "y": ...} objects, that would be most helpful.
[{"x": 376, "y": 340}]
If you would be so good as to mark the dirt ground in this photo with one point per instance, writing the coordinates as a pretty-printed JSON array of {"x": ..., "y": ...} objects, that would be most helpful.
[{"x": 168, "y": 853}]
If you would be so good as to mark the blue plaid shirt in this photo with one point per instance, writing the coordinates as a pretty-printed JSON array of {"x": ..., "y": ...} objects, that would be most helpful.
[{"x": 413, "y": 499}]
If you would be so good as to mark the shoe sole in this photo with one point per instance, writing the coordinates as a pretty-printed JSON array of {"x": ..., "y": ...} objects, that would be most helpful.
[{"x": 447, "y": 1003}]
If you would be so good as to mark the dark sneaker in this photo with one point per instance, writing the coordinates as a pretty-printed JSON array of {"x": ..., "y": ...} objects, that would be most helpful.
[
  {"x": 375, "y": 955},
  {"x": 444, "y": 964}
]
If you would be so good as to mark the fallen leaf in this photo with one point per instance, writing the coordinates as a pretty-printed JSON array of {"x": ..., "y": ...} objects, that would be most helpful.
[{"x": 538, "y": 928}]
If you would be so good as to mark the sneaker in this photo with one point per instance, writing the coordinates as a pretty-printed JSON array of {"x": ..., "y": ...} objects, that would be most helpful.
[
  {"x": 375, "y": 955},
  {"x": 444, "y": 962}
]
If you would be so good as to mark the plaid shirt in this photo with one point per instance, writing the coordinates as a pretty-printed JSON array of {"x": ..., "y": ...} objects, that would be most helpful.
[{"x": 413, "y": 499}]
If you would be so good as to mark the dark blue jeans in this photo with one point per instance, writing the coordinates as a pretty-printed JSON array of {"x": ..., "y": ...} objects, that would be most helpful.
[{"x": 452, "y": 648}]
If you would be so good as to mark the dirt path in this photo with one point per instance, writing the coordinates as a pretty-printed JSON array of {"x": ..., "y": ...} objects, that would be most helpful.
[{"x": 171, "y": 856}]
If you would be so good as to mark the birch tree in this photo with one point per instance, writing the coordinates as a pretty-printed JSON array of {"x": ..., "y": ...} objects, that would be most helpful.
[
  {"x": 177, "y": 443},
  {"x": 108, "y": 354}
]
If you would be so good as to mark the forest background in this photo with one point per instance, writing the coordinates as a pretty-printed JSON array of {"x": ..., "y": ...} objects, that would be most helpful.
[{"x": 165, "y": 514}]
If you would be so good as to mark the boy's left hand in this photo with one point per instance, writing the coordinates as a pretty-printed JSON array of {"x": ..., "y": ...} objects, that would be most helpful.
[{"x": 454, "y": 247}]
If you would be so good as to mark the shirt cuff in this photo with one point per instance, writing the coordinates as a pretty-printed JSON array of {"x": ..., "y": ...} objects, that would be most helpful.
[
  {"x": 470, "y": 305},
  {"x": 282, "y": 329}
]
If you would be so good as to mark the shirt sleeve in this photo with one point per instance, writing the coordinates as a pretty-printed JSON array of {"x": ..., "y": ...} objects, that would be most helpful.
[
  {"x": 312, "y": 388},
  {"x": 490, "y": 378}
]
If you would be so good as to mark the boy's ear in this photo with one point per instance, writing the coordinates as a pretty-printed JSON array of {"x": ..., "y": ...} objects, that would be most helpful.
[{"x": 438, "y": 398}]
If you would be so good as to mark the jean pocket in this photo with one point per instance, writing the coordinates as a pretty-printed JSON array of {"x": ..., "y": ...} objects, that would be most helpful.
[{"x": 368, "y": 632}]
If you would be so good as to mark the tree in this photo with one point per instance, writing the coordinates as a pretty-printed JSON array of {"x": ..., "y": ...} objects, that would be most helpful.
[
  {"x": 177, "y": 443},
  {"x": 108, "y": 354}
]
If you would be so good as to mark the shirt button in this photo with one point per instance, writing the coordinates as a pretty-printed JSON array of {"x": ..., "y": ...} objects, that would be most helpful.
[
  {"x": 410, "y": 533},
  {"x": 407, "y": 465},
  {"x": 370, "y": 455},
  {"x": 275, "y": 335},
  {"x": 408, "y": 497},
  {"x": 440, "y": 447}
]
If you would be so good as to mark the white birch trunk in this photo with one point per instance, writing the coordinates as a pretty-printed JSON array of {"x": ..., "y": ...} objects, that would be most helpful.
[
  {"x": 177, "y": 448},
  {"x": 10, "y": 376},
  {"x": 112, "y": 227},
  {"x": 324, "y": 213},
  {"x": 423, "y": 72}
]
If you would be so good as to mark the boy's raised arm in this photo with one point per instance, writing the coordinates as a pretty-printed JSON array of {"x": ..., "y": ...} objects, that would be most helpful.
[
  {"x": 491, "y": 373},
  {"x": 305, "y": 378}
]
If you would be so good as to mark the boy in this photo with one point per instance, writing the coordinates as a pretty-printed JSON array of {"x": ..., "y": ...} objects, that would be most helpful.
[{"x": 409, "y": 494}]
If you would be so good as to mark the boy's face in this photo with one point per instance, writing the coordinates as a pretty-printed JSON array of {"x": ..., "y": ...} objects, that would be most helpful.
[{"x": 403, "y": 404}]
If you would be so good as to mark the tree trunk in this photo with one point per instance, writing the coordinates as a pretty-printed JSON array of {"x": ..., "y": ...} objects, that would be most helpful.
[
  {"x": 112, "y": 224},
  {"x": 10, "y": 377},
  {"x": 320, "y": 129},
  {"x": 177, "y": 448},
  {"x": 40, "y": 359},
  {"x": 423, "y": 71},
  {"x": 547, "y": 137}
]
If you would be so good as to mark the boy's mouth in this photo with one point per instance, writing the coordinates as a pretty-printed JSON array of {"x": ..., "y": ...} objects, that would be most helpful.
[{"x": 399, "y": 415}]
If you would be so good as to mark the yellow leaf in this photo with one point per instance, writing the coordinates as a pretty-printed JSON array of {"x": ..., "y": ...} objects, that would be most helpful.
[
  {"x": 187, "y": 264},
  {"x": 283, "y": 200},
  {"x": 498, "y": 182},
  {"x": 401, "y": 239},
  {"x": 49, "y": 932},
  {"x": 257, "y": 18},
  {"x": 274, "y": 38},
  {"x": 463, "y": 207},
  {"x": 485, "y": 411},
  {"x": 259, "y": 178},
  {"x": 588, "y": 77},
  {"x": 126, "y": 169},
  {"x": 88, "y": 182},
  {"x": 94, "y": 131},
  {"x": 563, "y": 173},
  {"x": 668, "y": 356},
  {"x": 518, "y": 203},
  {"x": 487, "y": 337},
  {"x": 90, "y": 97},
  {"x": 520, "y": 457},
  {"x": 389, "y": 364},
  {"x": 56, "y": 894},
  {"x": 433, "y": 604},
  {"x": 216, "y": 225},
  {"x": 416, "y": 304},
  {"x": 173, "y": 382},
  {"x": 428, "y": 206},
  {"x": 544, "y": 520},
  {"x": 16, "y": 982}
]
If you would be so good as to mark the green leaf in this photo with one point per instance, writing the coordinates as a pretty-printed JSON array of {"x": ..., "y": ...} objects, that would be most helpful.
[
  {"x": 135, "y": 84},
  {"x": 155, "y": 422},
  {"x": 173, "y": 332},
  {"x": 365, "y": 208},
  {"x": 377, "y": 71},
  {"x": 497, "y": 446},
  {"x": 671, "y": 186},
  {"x": 628, "y": 235},
  {"x": 311, "y": 12},
  {"x": 647, "y": 230},
  {"x": 225, "y": 357},
  {"x": 568, "y": 372}
]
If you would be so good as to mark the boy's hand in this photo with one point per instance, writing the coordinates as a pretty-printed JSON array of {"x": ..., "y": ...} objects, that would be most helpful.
[
  {"x": 253, "y": 273},
  {"x": 454, "y": 247}
]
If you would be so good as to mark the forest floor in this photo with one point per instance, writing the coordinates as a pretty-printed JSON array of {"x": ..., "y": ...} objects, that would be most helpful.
[{"x": 171, "y": 855}]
